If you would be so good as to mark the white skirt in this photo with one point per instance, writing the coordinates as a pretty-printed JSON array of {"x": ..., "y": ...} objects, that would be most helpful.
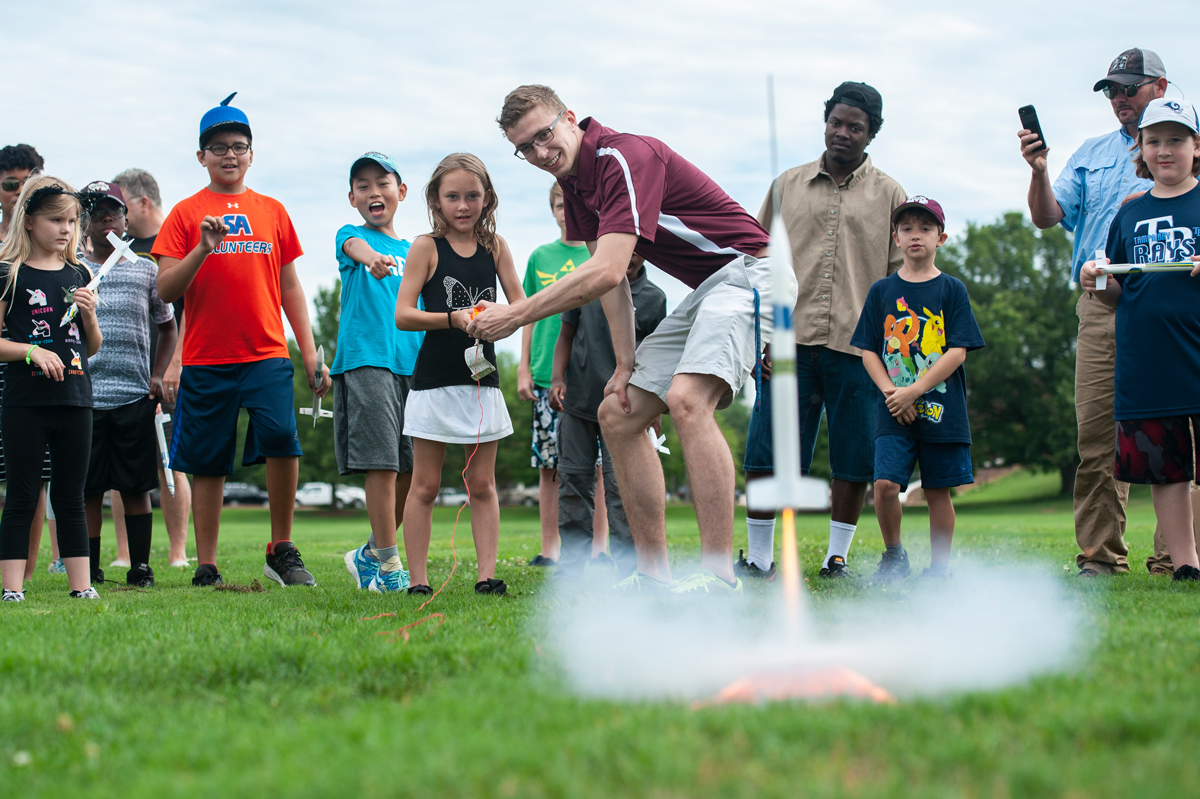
[{"x": 452, "y": 414}]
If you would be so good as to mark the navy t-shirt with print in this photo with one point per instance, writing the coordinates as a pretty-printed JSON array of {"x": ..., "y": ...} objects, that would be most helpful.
[
  {"x": 909, "y": 326},
  {"x": 1158, "y": 329},
  {"x": 35, "y": 308}
]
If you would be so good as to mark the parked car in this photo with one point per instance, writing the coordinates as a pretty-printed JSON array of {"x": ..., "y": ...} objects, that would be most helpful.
[
  {"x": 244, "y": 494},
  {"x": 321, "y": 494},
  {"x": 520, "y": 495},
  {"x": 451, "y": 497}
]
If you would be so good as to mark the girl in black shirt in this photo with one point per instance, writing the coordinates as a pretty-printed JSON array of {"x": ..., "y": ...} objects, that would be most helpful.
[
  {"x": 48, "y": 398},
  {"x": 452, "y": 269}
]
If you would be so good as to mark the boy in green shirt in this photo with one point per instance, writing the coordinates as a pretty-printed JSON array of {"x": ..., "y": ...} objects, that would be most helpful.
[{"x": 546, "y": 265}]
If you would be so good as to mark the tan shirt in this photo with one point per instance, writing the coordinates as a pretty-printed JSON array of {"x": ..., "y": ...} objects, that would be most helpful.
[{"x": 841, "y": 244}]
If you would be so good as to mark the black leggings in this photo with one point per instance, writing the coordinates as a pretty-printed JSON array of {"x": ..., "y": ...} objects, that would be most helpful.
[{"x": 67, "y": 431}]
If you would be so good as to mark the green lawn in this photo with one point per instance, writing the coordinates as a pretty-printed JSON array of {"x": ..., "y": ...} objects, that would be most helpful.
[{"x": 184, "y": 692}]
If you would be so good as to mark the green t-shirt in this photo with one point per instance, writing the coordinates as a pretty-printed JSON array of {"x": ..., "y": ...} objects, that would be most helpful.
[{"x": 546, "y": 265}]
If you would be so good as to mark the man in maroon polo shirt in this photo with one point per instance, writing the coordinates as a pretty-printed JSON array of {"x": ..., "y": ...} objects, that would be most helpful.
[{"x": 625, "y": 194}]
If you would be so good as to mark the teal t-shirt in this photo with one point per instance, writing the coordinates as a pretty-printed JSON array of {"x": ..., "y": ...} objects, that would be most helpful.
[
  {"x": 546, "y": 265},
  {"x": 367, "y": 334}
]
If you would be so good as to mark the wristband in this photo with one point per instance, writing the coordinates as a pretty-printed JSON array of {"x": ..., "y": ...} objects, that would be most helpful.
[
  {"x": 449, "y": 321},
  {"x": 29, "y": 352}
]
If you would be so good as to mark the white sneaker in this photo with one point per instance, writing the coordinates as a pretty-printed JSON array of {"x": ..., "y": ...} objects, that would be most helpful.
[
  {"x": 183, "y": 563},
  {"x": 119, "y": 564},
  {"x": 87, "y": 593},
  {"x": 12, "y": 596}
]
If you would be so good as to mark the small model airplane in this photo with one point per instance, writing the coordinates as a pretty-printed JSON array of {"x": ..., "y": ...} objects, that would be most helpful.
[
  {"x": 121, "y": 250},
  {"x": 159, "y": 419},
  {"x": 1135, "y": 269},
  {"x": 316, "y": 411}
]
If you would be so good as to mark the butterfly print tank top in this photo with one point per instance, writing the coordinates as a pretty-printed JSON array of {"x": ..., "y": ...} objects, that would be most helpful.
[{"x": 457, "y": 283}]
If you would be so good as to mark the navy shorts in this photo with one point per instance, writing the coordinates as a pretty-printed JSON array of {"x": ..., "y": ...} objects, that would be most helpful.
[
  {"x": 942, "y": 464},
  {"x": 839, "y": 385},
  {"x": 206, "y": 416}
]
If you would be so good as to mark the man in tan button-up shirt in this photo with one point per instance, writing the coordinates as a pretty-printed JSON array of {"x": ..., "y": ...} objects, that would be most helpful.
[{"x": 837, "y": 212}]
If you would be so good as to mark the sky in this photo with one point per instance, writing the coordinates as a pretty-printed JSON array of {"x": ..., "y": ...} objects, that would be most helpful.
[{"x": 100, "y": 87}]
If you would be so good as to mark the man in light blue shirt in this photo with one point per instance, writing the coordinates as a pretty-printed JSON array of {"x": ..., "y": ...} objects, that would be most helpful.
[{"x": 1084, "y": 200}]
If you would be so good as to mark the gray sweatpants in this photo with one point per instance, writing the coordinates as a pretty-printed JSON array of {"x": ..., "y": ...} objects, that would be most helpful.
[{"x": 578, "y": 443}]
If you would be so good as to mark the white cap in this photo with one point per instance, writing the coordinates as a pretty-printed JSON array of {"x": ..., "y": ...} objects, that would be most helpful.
[{"x": 1163, "y": 110}]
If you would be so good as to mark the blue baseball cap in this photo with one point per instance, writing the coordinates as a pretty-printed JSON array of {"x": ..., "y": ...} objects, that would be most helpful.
[
  {"x": 383, "y": 159},
  {"x": 223, "y": 117}
]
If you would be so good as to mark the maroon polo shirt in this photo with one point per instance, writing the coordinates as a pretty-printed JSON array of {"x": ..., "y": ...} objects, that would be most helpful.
[{"x": 686, "y": 224}]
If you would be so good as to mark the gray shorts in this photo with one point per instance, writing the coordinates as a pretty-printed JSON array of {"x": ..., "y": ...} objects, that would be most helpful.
[
  {"x": 368, "y": 421},
  {"x": 712, "y": 331}
]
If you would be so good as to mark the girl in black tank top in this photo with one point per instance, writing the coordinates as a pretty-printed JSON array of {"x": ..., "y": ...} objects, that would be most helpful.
[
  {"x": 458, "y": 283},
  {"x": 451, "y": 271}
]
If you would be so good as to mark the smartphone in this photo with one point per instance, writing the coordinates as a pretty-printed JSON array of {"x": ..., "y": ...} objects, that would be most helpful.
[{"x": 1030, "y": 122}]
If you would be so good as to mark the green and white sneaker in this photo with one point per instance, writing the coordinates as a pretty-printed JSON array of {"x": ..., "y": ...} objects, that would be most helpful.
[
  {"x": 12, "y": 596},
  {"x": 705, "y": 582},
  {"x": 362, "y": 568},
  {"x": 638, "y": 582},
  {"x": 56, "y": 567},
  {"x": 389, "y": 582}
]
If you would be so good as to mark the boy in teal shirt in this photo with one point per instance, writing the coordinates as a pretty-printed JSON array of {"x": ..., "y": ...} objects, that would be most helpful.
[
  {"x": 372, "y": 369},
  {"x": 546, "y": 265}
]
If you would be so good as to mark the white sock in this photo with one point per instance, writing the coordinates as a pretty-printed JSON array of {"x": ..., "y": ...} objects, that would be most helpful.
[
  {"x": 840, "y": 536},
  {"x": 760, "y": 540}
]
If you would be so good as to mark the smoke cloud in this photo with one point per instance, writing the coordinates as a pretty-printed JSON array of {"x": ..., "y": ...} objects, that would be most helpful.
[{"x": 985, "y": 628}]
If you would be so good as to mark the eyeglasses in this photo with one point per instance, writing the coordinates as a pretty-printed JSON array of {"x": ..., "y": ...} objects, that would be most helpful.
[
  {"x": 12, "y": 184},
  {"x": 1113, "y": 89},
  {"x": 100, "y": 214},
  {"x": 540, "y": 140},
  {"x": 221, "y": 149}
]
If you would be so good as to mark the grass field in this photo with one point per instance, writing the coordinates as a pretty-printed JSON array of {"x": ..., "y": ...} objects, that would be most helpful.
[{"x": 183, "y": 692}]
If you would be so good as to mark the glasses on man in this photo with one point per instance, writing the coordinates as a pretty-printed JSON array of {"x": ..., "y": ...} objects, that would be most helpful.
[
  {"x": 540, "y": 140},
  {"x": 12, "y": 184},
  {"x": 221, "y": 149},
  {"x": 1113, "y": 89},
  {"x": 100, "y": 214}
]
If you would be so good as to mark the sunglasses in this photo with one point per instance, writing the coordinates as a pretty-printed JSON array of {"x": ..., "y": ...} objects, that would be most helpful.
[
  {"x": 12, "y": 184},
  {"x": 1113, "y": 89}
]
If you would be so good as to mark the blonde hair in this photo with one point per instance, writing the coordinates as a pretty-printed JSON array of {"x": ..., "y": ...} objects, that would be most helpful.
[
  {"x": 555, "y": 191},
  {"x": 485, "y": 226},
  {"x": 1139, "y": 163},
  {"x": 19, "y": 246},
  {"x": 523, "y": 99}
]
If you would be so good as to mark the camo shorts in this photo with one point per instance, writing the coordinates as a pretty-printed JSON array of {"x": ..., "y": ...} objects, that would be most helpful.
[
  {"x": 1156, "y": 451},
  {"x": 545, "y": 431}
]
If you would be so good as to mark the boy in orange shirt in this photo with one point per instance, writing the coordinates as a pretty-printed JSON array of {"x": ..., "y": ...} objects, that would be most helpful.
[{"x": 231, "y": 252}]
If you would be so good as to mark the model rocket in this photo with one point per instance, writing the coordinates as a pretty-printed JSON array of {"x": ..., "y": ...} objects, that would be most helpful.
[{"x": 316, "y": 411}]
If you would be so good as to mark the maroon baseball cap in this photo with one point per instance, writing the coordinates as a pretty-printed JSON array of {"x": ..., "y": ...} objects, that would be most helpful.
[
  {"x": 103, "y": 190},
  {"x": 925, "y": 204}
]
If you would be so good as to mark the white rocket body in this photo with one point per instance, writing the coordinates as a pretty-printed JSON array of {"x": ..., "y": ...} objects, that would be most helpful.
[{"x": 783, "y": 490}]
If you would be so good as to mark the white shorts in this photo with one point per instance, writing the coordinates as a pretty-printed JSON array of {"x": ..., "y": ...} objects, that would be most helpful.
[
  {"x": 712, "y": 331},
  {"x": 452, "y": 414}
]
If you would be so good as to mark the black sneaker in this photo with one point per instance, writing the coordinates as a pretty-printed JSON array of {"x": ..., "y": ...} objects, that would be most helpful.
[
  {"x": 419, "y": 590},
  {"x": 892, "y": 566},
  {"x": 936, "y": 574},
  {"x": 141, "y": 575},
  {"x": 745, "y": 568},
  {"x": 207, "y": 574},
  {"x": 837, "y": 568},
  {"x": 97, "y": 576},
  {"x": 491, "y": 586},
  {"x": 1185, "y": 572},
  {"x": 285, "y": 567},
  {"x": 542, "y": 560}
]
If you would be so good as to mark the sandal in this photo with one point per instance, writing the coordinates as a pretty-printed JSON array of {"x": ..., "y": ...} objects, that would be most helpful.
[
  {"x": 491, "y": 586},
  {"x": 420, "y": 590}
]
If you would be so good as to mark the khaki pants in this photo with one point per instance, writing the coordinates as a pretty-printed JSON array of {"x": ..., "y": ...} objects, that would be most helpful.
[{"x": 1099, "y": 497}]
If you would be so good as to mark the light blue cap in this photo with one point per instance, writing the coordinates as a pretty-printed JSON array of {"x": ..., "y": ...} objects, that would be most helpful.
[
  {"x": 224, "y": 116},
  {"x": 383, "y": 159}
]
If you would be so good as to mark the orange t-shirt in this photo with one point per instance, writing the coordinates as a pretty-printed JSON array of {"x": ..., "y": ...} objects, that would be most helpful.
[{"x": 233, "y": 304}]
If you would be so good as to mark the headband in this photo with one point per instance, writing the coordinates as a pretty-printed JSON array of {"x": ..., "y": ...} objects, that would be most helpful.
[{"x": 40, "y": 196}]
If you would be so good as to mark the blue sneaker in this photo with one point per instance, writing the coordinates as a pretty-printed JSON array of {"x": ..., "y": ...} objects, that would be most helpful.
[
  {"x": 362, "y": 568},
  {"x": 56, "y": 567},
  {"x": 389, "y": 582}
]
